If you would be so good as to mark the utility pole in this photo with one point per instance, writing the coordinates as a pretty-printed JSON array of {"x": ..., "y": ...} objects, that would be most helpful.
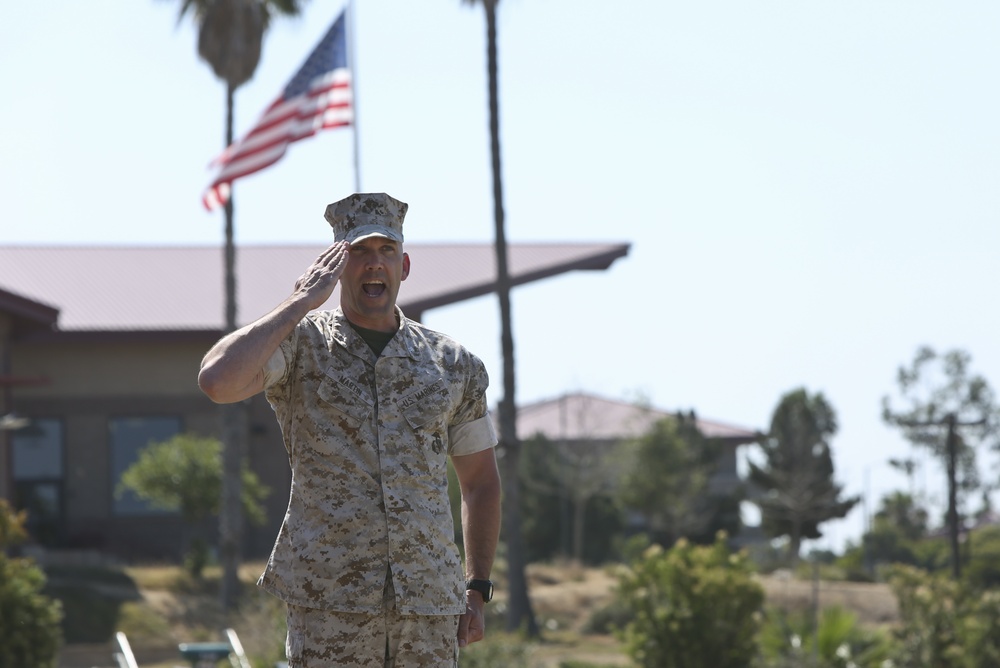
[{"x": 951, "y": 447}]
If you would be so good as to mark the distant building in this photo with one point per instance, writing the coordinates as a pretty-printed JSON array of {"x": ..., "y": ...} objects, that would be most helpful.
[
  {"x": 100, "y": 347},
  {"x": 584, "y": 420}
]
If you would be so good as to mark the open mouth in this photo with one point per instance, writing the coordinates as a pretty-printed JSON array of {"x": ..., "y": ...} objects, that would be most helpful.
[{"x": 373, "y": 288}]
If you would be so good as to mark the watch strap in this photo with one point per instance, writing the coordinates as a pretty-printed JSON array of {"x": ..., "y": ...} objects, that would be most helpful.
[{"x": 484, "y": 587}]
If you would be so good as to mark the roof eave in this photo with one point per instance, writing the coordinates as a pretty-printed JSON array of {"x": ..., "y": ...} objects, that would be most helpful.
[
  {"x": 597, "y": 262},
  {"x": 30, "y": 310}
]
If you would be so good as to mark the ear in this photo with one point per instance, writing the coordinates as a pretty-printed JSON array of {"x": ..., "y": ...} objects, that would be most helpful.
[{"x": 406, "y": 266}]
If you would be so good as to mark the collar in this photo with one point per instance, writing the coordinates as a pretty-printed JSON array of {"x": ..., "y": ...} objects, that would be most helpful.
[{"x": 403, "y": 344}]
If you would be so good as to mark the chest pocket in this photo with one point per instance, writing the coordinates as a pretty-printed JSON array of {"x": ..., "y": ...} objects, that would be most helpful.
[
  {"x": 425, "y": 406},
  {"x": 346, "y": 398}
]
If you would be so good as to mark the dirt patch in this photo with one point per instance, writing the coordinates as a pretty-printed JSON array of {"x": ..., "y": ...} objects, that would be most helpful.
[
  {"x": 565, "y": 592},
  {"x": 564, "y": 597},
  {"x": 873, "y": 603}
]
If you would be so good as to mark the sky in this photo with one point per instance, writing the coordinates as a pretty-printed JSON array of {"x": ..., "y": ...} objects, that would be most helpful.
[{"x": 809, "y": 189}]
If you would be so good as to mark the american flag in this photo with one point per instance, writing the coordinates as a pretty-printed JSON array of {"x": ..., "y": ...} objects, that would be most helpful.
[{"x": 317, "y": 97}]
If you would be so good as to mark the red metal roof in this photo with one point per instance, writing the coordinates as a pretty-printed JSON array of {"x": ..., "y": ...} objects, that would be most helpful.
[
  {"x": 582, "y": 416},
  {"x": 123, "y": 288}
]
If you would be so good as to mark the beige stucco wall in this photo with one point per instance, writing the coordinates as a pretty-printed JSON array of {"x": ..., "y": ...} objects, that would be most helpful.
[{"x": 107, "y": 369}]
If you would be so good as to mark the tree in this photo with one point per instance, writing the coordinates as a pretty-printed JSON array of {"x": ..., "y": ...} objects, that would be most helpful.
[
  {"x": 797, "y": 489},
  {"x": 519, "y": 612},
  {"x": 668, "y": 481},
  {"x": 230, "y": 40},
  {"x": 691, "y": 606},
  {"x": 184, "y": 474},
  {"x": 30, "y": 633},
  {"x": 569, "y": 491},
  {"x": 950, "y": 411},
  {"x": 902, "y": 511},
  {"x": 898, "y": 526}
]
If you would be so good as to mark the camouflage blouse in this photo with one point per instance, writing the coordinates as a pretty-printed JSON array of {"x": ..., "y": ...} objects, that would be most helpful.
[{"x": 368, "y": 440}]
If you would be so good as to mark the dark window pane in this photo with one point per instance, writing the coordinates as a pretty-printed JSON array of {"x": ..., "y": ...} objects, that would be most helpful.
[
  {"x": 128, "y": 437},
  {"x": 38, "y": 451}
]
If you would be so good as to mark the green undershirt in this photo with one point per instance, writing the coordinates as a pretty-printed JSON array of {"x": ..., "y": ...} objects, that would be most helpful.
[{"x": 375, "y": 339}]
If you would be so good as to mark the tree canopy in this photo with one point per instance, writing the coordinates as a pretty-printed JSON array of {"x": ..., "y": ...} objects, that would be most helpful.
[
  {"x": 668, "y": 482},
  {"x": 797, "y": 490},
  {"x": 184, "y": 473},
  {"x": 936, "y": 387}
]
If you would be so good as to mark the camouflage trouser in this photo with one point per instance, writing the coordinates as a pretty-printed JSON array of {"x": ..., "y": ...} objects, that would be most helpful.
[{"x": 322, "y": 638}]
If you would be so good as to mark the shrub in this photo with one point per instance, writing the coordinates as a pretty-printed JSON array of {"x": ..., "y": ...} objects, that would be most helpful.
[
  {"x": 790, "y": 639},
  {"x": 30, "y": 634},
  {"x": 928, "y": 634},
  {"x": 692, "y": 606},
  {"x": 983, "y": 567},
  {"x": 980, "y": 631},
  {"x": 945, "y": 624}
]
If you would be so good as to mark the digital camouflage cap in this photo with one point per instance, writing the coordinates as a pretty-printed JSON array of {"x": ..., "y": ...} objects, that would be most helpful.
[{"x": 364, "y": 215}]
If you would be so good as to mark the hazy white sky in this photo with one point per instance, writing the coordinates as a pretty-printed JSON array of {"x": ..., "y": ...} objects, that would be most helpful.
[{"x": 810, "y": 189}]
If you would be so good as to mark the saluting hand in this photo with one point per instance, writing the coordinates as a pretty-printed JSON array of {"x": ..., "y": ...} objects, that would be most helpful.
[{"x": 317, "y": 283}]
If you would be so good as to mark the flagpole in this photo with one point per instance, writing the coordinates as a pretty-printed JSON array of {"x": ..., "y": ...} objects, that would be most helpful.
[{"x": 352, "y": 66}]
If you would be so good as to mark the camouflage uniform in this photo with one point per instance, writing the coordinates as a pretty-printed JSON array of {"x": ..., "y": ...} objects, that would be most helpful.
[
  {"x": 319, "y": 638},
  {"x": 368, "y": 439}
]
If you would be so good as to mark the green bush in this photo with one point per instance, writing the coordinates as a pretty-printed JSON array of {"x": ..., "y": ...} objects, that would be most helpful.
[
  {"x": 980, "y": 631},
  {"x": 30, "y": 634},
  {"x": 983, "y": 567},
  {"x": 692, "y": 606},
  {"x": 937, "y": 619},
  {"x": 790, "y": 639}
]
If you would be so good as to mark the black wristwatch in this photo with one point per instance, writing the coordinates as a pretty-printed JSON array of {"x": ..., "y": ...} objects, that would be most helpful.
[{"x": 484, "y": 587}]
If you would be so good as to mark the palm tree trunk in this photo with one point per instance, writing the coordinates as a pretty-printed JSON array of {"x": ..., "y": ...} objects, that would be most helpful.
[
  {"x": 519, "y": 615},
  {"x": 233, "y": 423}
]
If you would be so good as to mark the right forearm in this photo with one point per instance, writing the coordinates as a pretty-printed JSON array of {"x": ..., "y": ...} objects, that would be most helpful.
[{"x": 233, "y": 369}]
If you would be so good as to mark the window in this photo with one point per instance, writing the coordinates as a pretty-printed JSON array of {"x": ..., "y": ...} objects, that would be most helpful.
[
  {"x": 128, "y": 438},
  {"x": 38, "y": 478},
  {"x": 38, "y": 450}
]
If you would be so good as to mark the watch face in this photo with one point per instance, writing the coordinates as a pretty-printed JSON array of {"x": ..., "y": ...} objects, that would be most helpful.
[{"x": 484, "y": 587}]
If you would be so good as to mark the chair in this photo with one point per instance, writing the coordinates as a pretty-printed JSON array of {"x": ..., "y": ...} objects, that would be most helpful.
[
  {"x": 238, "y": 657},
  {"x": 124, "y": 656}
]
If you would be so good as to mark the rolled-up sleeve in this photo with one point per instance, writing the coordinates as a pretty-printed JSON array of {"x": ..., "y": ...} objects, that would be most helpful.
[
  {"x": 274, "y": 369},
  {"x": 472, "y": 437}
]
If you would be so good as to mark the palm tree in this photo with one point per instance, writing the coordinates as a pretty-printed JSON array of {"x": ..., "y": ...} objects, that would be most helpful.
[
  {"x": 230, "y": 37},
  {"x": 519, "y": 614}
]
